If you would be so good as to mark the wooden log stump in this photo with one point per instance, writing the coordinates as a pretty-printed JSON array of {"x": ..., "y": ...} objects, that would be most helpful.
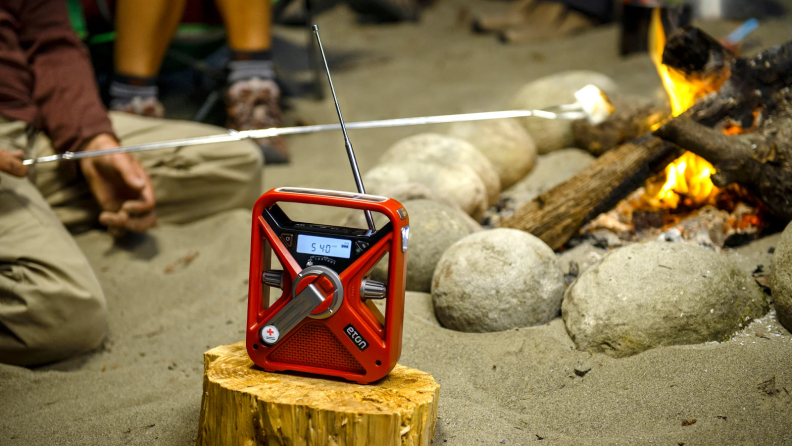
[{"x": 243, "y": 405}]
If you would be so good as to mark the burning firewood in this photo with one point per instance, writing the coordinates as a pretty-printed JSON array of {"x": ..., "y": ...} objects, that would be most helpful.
[
  {"x": 631, "y": 119},
  {"x": 734, "y": 115},
  {"x": 745, "y": 128},
  {"x": 556, "y": 215}
]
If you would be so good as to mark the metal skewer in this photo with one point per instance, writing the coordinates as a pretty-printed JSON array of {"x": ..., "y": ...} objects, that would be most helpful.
[
  {"x": 595, "y": 108},
  {"x": 347, "y": 144},
  {"x": 233, "y": 135}
]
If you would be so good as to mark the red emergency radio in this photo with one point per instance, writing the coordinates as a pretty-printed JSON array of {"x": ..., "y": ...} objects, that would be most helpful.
[{"x": 325, "y": 322}]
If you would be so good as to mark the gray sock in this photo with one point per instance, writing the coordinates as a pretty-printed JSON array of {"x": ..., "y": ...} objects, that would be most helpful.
[
  {"x": 122, "y": 93},
  {"x": 247, "y": 69}
]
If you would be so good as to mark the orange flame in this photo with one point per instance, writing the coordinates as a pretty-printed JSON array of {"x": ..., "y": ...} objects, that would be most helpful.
[{"x": 689, "y": 175}]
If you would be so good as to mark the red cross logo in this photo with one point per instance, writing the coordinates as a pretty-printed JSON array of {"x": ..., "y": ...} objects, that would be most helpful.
[{"x": 269, "y": 332}]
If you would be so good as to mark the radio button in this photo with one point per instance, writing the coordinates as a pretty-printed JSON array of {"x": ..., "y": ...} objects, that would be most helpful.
[
  {"x": 288, "y": 239},
  {"x": 273, "y": 278},
  {"x": 371, "y": 289},
  {"x": 361, "y": 246}
]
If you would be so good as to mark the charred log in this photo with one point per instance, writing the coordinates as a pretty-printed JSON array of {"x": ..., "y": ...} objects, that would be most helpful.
[
  {"x": 556, "y": 215},
  {"x": 694, "y": 52},
  {"x": 760, "y": 162},
  {"x": 630, "y": 120},
  {"x": 754, "y": 106}
]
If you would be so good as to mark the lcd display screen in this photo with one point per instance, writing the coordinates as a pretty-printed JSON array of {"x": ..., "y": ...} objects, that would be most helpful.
[{"x": 333, "y": 247}]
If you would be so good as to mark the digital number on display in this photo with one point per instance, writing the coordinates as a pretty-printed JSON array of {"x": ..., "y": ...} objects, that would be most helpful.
[{"x": 333, "y": 247}]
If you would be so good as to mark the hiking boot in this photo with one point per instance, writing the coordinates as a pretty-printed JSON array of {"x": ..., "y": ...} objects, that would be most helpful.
[{"x": 253, "y": 104}]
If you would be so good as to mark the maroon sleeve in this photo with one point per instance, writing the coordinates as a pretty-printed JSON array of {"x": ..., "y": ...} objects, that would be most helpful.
[{"x": 64, "y": 87}]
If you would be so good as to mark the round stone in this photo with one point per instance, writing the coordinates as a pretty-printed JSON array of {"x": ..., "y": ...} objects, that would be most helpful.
[
  {"x": 497, "y": 280},
  {"x": 505, "y": 142},
  {"x": 458, "y": 185},
  {"x": 557, "y": 89},
  {"x": 551, "y": 170},
  {"x": 434, "y": 227},
  {"x": 781, "y": 279},
  {"x": 433, "y": 148},
  {"x": 659, "y": 294}
]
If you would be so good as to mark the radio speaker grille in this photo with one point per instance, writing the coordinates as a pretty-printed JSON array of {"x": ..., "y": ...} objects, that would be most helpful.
[{"x": 315, "y": 345}]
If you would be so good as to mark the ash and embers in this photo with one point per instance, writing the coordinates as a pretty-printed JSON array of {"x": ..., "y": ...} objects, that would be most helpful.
[{"x": 730, "y": 218}]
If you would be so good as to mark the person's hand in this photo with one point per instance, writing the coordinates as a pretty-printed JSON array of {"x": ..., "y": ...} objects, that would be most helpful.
[
  {"x": 11, "y": 163},
  {"x": 121, "y": 187}
]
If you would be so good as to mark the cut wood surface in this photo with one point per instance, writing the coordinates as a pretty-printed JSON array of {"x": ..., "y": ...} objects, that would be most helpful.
[
  {"x": 243, "y": 405},
  {"x": 556, "y": 215}
]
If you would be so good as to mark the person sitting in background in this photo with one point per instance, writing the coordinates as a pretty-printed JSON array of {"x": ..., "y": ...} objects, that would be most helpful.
[
  {"x": 51, "y": 304},
  {"x": 143, "y": 35}
]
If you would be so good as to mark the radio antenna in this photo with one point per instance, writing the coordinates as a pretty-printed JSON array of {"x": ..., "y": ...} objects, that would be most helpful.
[{"x": 348, "y": 145}]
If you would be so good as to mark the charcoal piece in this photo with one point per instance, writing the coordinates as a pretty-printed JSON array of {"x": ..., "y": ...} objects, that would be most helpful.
[
  {"x": 647, "y": 219},
  {"x": 737, "y": 240}
]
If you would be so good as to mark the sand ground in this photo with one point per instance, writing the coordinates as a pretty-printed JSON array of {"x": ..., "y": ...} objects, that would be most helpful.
[{"x": 514, "y": 387}]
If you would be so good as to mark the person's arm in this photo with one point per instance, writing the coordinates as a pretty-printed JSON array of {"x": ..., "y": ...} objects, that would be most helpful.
[
  {"x": 71, "y": 113},
  {"x": 64, "y": 87}
]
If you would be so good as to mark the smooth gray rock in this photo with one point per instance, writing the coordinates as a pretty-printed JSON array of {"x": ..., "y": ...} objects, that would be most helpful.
[
  {"x": 434, "y": 227},
  {"x": 755, "y": 254},
  {"x": 442, "y": 150},
  {"x": 505, "y": 142},
  {"x": 551, "y": 170},
  {"x": 556, "y": 89},
  {"x": 457, "y": 185},
  {"x": 497, "y": 280},
  {"x": 781, "y": 279},
  {"x": 656, "y": 294},
  {"x": 584, "y": 255}
]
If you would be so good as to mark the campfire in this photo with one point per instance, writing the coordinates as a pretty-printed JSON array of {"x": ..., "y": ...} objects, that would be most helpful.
[
  {"x": 682, "y": 202},
  {"x": 688, "y": 177},
  {"x": 715, "y": 170}
]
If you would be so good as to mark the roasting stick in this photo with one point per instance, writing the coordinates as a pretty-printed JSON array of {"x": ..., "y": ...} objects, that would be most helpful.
[{"x": 592, "y": 104}]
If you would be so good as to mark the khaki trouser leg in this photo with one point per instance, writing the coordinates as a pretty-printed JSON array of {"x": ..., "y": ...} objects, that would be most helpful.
[
  {"x": 51, "y": 305},
  {"x": 189, "y": 182}
]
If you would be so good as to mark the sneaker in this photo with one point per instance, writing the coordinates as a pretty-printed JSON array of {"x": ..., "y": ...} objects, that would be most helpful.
[{"x": 253, "y": 104}]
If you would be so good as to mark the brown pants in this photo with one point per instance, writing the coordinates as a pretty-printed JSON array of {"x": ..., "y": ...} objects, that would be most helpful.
[{"x": 51, "y": 305}]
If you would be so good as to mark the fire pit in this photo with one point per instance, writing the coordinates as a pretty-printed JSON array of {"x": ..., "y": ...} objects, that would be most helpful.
[{"x": 717, "y": 173}]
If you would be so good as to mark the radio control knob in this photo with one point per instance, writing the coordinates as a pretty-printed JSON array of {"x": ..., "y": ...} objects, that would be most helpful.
[
  {"x": 273, "y": 278},
  {"x": 371, "y": 289}
]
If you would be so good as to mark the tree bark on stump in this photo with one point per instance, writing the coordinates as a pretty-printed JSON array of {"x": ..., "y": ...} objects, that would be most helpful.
[
  {"x": 243, "y": 405},
  {"x": 556, "y": 215}
]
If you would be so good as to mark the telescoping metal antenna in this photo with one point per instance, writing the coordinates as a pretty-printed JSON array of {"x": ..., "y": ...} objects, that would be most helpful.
[{"x": 347, "y": 144}]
